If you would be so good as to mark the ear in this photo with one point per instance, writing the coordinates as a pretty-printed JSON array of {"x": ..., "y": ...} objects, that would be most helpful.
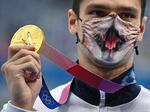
[
  {"x": 142, "y": 28},
  {"x": 72, "y": 21}
]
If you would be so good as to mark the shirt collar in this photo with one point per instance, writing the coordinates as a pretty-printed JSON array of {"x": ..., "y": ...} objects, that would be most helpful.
[{"x": 93, "y": 96}]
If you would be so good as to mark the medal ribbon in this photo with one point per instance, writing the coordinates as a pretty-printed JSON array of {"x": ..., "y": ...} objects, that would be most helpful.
[{"x": 77, "y": 71}]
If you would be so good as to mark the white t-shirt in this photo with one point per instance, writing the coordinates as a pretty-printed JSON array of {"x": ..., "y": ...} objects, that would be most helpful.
[{"x": 75, "y": 104}]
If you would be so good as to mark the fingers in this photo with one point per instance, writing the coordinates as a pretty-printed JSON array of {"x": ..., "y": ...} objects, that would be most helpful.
[
  {"x": 21, "y": 53},
  {"x": 26, "y": 59},
  {"x": 29, "y": 71},
  {"x": 36, "y": 86},
  {"x": 13, "y": 49},
  {"x": 24, "y": 62}
]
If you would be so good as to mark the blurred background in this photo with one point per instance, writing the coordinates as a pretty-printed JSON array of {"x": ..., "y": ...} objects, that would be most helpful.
[{"x": 51, "y": 16}]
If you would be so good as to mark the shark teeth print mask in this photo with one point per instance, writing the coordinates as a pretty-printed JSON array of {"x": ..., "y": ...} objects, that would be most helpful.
[{"x": 109, "y": 41}]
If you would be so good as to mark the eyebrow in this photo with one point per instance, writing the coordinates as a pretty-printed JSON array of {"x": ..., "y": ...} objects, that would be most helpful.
[
  {"x": 128, "y": 9},
  {"x": 106, "y": 7},
  {"x": 97, "y": 6}
]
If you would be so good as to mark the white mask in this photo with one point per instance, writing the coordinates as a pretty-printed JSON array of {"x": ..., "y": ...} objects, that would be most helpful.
[{"x": 108, "y": 42}]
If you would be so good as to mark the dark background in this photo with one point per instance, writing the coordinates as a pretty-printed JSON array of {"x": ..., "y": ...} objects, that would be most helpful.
[{"x": 51, "y": 16}]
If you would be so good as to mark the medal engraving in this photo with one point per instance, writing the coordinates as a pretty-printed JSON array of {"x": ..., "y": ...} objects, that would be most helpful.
[{"x": 29, "y": 35}]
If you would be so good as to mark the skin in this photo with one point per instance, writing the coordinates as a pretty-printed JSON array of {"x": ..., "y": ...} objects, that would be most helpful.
[
  {"x": 24, "y": 86},
  {"x": 128, "y": 10}
]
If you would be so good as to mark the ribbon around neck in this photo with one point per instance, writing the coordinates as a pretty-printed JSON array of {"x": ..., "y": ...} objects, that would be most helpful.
[{"x": 77, "y": 71}]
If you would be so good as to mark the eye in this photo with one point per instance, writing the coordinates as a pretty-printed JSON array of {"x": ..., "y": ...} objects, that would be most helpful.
[
  {"x": 127, "y": 16},
  {"x": 98, "y": 13}
]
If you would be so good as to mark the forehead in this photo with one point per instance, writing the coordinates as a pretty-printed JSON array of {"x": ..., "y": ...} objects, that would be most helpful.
[{"x": 113, "y": 4}]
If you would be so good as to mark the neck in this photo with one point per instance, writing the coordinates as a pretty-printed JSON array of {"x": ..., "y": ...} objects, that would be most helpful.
[{"x": 106, "y": 73}]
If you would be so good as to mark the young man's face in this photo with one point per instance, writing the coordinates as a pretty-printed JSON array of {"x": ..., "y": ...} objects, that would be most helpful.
[{"x": 128, "y": 12}]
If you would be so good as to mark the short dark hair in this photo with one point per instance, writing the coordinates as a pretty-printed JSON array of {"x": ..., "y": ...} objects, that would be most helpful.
[
  {"x": 143, "y": 6},
  {"x": 76, "y": 6}
]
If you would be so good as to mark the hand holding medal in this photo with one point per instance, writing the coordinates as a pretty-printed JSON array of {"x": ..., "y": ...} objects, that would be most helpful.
[
  {"x": 23, "y": 68},
  {"x": 29, "y": 36}
]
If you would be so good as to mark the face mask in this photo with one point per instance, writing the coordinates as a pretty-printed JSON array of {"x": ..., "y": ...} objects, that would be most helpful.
[{"x": 108, "y": 42}]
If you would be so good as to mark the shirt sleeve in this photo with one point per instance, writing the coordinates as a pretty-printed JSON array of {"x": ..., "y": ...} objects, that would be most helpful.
[{"x": 12, "y": 108}]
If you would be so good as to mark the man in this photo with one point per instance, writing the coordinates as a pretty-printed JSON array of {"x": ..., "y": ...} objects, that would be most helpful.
[{"x": 107, "y": 34}]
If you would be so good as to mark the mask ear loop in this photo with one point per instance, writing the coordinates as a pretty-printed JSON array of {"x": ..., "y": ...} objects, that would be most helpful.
[
  {"x": 136, "y": 50},
  {"x": 78, "y": 39}
]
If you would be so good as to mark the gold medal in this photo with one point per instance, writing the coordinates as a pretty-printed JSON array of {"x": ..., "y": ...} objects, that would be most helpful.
[{"x": 29, "y": 35}]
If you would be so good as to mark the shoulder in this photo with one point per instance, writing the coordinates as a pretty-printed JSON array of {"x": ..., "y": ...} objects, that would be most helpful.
[
  {"x": 140, "y": 103},
  {"x": 144, "y": 95},
  {"x": 142, "y": 100}
]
